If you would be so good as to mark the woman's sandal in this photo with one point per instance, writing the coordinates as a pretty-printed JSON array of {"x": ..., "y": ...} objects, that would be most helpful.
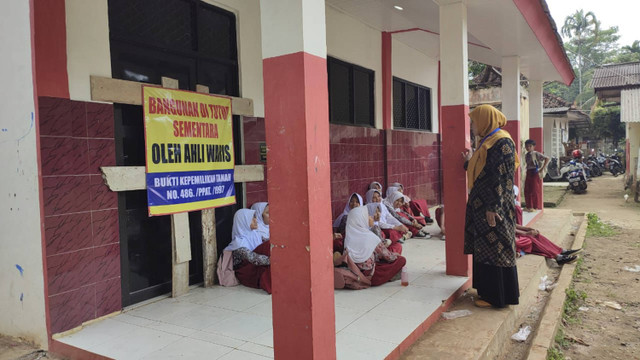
[{"x": 482, "y": 304}]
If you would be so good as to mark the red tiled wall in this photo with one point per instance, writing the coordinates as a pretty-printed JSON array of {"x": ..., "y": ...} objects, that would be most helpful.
[
  {"x": 357, "y": 159},
  {"x": 253, "y": 137},
  {"x": 415, "y": 162},
  {"x": 81, "y": 215}
]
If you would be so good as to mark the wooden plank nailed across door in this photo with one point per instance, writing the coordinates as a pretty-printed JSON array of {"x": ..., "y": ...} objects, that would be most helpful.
[{"x": 129, "y": 92}]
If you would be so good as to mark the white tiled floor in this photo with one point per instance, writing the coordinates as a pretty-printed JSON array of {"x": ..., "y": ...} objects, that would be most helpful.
[
  {"x": 235, "y": 323},
  {"x": 528, "y": 216}
]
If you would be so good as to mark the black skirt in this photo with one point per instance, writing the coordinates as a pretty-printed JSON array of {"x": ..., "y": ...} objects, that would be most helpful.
[{"x": 496, "y": 285}]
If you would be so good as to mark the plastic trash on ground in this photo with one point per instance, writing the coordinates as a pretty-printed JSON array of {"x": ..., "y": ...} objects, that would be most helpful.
[
  {"x": 612, "y": 304},
  {"x": 450, "y": 315},
  {"x": 522, "y": 334},
  {"x": 583, "y": 308},
  {"x": 633, "y": 269},
  {"x": 545, "y": 283}
]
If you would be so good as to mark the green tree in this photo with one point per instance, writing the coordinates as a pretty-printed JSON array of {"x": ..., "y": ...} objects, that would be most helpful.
[
  {"x": 606, "y": 123},
  {"x": 582, "y": 29},
  {"x": 629, "y": 53}
]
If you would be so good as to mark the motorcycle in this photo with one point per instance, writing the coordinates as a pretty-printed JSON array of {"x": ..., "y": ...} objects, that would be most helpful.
[
  {"x": 555, "y": 172},
  {"x": 611, "y": 164},
  {"x": 594, "y": 169},
  {"x": 577, "y": 177}
]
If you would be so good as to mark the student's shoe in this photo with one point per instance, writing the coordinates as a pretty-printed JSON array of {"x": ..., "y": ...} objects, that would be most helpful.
[
  {"x": 401, "y": 240},
  {"x": 442, "y": 238},
  {"x": 561, "y": 259},
  {"x": 387, "y": 243},
  {"x": 570, "y": 252},
  {"x": 482, "y": 304},
  {"x": 424, "y": 234},
  {"x": 428, "y": 220}
]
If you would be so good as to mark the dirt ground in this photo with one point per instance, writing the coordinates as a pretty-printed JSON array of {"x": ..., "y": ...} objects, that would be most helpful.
[
  {"x": 15, "y": 349},
  {"x": 597, "y": 331}
]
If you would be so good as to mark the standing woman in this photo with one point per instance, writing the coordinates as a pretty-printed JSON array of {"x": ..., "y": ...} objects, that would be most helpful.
[{"x": 490, "y": 216}]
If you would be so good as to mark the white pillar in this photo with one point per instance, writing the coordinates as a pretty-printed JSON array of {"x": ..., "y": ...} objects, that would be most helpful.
[
  {"x": 511, "y": 103},
  {"x": 455, "y": 128},
  {"x": 535, "y": 105}
]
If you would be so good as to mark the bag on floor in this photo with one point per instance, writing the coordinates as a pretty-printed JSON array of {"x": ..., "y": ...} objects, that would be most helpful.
[{"x": 226, "y": 275}]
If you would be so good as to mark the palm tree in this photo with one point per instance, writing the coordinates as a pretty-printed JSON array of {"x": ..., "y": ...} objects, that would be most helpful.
[{"x": 580, "y": 26}]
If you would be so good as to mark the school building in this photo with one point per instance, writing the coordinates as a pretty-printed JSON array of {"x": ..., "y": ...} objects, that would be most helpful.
[{"x": 328, "y": 96}]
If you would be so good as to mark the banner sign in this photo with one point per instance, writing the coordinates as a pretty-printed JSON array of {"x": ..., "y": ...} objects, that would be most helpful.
[{"x": 189, "y": 150}]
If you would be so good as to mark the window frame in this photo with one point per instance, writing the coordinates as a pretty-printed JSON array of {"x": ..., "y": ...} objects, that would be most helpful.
[
  {"x": 429, "y": 109},
  {"x": 352, "y": 93}
]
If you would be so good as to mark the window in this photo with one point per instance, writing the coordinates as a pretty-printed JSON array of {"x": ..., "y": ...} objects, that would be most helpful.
[
  {"x": 350, "y": 93},
  {"x": 411, "y": 105}
]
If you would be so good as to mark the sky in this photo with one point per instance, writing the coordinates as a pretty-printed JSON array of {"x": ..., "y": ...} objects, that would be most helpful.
[{"x": 621, "y": 13}]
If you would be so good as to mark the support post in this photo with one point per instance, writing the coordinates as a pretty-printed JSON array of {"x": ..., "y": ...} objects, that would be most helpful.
[
  {"x": 536, "y": 121},
  {"x": 180, "y": 237},
  {"x": 511, "y": 106},
  {"x": 209, "y": 240},
  {"x": 455, "y": 129},
  {"x": 298, "y": 168}
]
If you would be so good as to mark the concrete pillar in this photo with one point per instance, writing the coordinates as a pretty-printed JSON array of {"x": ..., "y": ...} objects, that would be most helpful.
[
  {"x": 455, "y": 129},
  {"x": 511, "y": 104},
  {"x": 536, "y": 122},
  {"x": 298, "y": 180}
]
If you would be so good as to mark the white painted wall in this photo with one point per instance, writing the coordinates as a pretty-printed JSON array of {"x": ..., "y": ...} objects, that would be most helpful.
[
  {"x": 352, "y": 41},
  {"x": 88, "y": 50},
  {"x": 249, "y": 49},
  {"x": 561, "y": 123},
  {"x": 22, "y": 306},
  {"x": 410, "y": 64}
]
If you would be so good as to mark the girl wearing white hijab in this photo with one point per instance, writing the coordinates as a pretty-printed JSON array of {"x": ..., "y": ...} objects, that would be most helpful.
[
  {"x": 262, "y": 215},
  {"x": 394, "y": 203},
  {"x": 391, "y": 227},
  {"x": 339, "y": 225},
  {"x": 375, "y": 211},
  {"x": 367, "y": 251},
  {"x": 250, "y": 254},
  {"x": 375, "y": 186},
  {"x": 416, "y": 207}
]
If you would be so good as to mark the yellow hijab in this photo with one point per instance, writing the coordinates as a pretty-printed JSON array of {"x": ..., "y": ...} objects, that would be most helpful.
[{"x": 487, "y": 119}]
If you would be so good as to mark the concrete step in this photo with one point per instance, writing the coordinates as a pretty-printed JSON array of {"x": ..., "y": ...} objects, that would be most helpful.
[{"x": 482, "y": 334}]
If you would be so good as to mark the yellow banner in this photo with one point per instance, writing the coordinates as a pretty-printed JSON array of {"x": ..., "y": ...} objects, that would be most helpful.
[{"x": 189, "y": 150}]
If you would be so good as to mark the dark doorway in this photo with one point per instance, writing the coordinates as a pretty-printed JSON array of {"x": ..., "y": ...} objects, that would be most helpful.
[{"x": 195, "y": 43}]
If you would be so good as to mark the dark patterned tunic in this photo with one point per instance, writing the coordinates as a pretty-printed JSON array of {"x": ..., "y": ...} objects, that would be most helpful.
[{"x": 493, "y": 191}]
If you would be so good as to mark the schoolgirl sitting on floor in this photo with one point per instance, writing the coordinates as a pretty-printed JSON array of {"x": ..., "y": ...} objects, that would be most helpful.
[
  {"x": 391, "y": 227},
  {"x": 251, "y": 262},
  {"x": 394, "y": 203}
]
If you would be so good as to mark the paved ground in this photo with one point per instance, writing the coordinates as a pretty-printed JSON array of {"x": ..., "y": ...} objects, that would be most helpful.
[
  {"x": 602, "y": 332},
  {"x": 15, "y": 349}
]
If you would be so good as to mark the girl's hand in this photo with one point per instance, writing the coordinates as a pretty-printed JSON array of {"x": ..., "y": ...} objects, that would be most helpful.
[{"x": 337, "y": 236}]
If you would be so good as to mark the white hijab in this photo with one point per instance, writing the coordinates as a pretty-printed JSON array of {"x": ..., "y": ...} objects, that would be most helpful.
[
  {"x": 263, "y": 229},
  {"x": 375, "y": 183},
  {"x": 391, "y": 190},
  {"x": 387, "y": 221},
  {"x": 242, "y": 235},
  {"x": 345, "y": 212},
  {"x": 392, "y": 197},
  {"x": 359, "y": 241},
  {"x": 399, "y": 186}
]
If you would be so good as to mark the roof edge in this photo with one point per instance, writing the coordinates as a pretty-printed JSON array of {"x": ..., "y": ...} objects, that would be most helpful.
[{"x": 536, "y": 14}]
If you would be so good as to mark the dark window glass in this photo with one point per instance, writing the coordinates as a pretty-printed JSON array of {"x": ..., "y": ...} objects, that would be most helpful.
[
  {"x": 350, "y": 93},
  {"x": 216, "y": 34},
  {"x": 411, "y": 105}
]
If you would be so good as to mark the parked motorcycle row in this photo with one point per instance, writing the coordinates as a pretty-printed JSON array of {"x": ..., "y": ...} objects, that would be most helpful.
[{"x": 578, "y": 171}]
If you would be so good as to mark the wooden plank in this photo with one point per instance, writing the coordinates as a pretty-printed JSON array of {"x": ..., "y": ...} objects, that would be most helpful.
[
  {"x": 180, "y": 237},
  {"x": 209, "y": 240},
  {"x": 209, "y": 246},
  {"x": 130, "y": 92},
  {"x": 128, "y": 178}
]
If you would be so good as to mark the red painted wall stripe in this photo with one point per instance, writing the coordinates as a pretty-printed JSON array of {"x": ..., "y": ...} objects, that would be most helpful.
[
  {"x": 50, "y": 48},
  {"x": 538, "y": 20},
  {"x": 455, "y": 138}
]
